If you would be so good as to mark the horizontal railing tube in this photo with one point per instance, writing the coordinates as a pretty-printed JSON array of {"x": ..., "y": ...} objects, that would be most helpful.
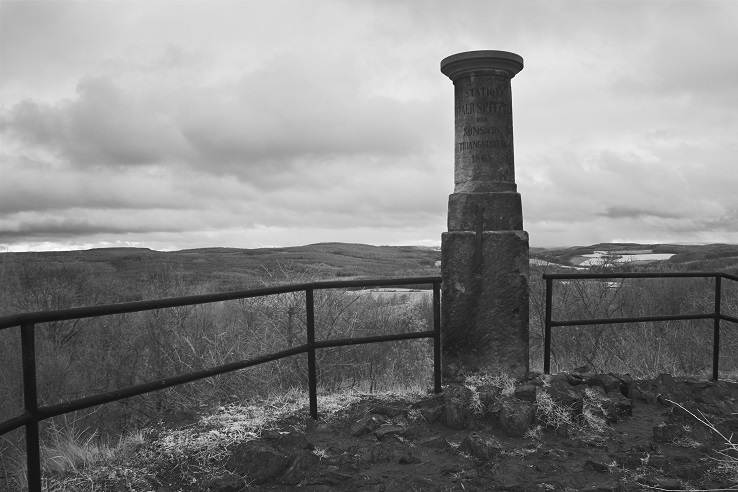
[
  {"x": 137, "y": 306},
  {"x": 15, "y": 422},
  {"x": 140, "y": 389},
  {"x": 592, "y": 276},
  {"x": 634, "y": 319},
  {"x": 375, "y": 339}
]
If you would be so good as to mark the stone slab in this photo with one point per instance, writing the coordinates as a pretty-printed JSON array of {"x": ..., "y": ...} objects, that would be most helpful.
[
  {"x": 484, "y": 310},
  {"x": 485, "y": 211}
]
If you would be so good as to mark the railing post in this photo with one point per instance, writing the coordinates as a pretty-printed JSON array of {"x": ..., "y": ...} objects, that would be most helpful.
[
  {"x": 437, "y": 337},
  {"x": 547, "y": 328},
  {"x": 312, "y": 378},
  {"x": 716, "y": 329},
  {"x": 30, "y": 400}
]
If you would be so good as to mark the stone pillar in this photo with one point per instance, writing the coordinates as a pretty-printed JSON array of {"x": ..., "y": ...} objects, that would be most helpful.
[{"x": 485, "y": 251}]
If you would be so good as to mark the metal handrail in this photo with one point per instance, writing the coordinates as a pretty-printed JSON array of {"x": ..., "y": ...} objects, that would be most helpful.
[
  {"x": 33, "y": 413},
  {"x": 715, "y": 315}
]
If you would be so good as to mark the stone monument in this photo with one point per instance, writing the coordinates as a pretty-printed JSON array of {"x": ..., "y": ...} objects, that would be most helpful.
[{"x": 485, "y": 251}]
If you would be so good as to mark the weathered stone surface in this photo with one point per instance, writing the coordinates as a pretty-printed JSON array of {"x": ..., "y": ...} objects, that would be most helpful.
[
  {"x": 605, "y": 381},
  {"x": 433, "y": 401},
  {"x": 437, "y": 442},
  {"x": 516, "y": 418},
  {"x": 567, "y": 395},
  {"x": 667, "y": 432},
  {"x": 479, "y": 447},
  {"x": 232, "y": 484},
  {"x": 432, "y": 414},
  {"x": 485, "y": 296},
  {"x": 258, "y": 462},
  {"x": 302, "y": 467},
  {"x": 617, "y": 406},
  {"x": 596, "y": 466},
  {"x": 641, "y": 391},
  {"x": 631, "y": 460},
  {"x": 367, "y": 425},
  {"x": 458, "y": 398},
  {"x": 291, "y": 440},
  {"x": 602, "y": 487},
  {"x": 490, "y": 211},
  {"x": 663, "y": 483},
  {"x": 526, "y": 392},
  {"x": 387, "y": 430},
  {"x": 388, "y": 411}
]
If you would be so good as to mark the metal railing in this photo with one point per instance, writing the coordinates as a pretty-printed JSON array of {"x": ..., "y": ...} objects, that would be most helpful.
[
  {"x": 33, "y": 413},
  {"x": 715, "y": 315}
]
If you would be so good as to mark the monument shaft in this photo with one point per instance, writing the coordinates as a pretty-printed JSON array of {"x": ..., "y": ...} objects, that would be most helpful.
[{"x": 485, "y": 251}]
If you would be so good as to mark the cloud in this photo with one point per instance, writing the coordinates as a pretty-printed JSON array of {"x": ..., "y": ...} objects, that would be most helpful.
[
  {"x": 257, "y": 128},
  {"x": 104, "y": 126}
]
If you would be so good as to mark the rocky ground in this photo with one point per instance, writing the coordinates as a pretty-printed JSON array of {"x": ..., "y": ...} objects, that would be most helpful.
[{"x": 577, "y": 431}]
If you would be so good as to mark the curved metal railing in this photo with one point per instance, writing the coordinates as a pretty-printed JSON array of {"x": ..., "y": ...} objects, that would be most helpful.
[{"x": 33, "y": 413}]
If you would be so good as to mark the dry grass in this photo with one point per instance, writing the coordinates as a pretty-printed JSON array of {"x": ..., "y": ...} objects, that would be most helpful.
[
  {"x": 551, "y": 414},
  {"x": 590, "y": 426},
  {"x": 501, "y": 380}
]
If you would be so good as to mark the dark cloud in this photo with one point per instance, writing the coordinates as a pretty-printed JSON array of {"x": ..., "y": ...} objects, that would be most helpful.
[
  {"x": 627, "y": 212},
  {"x": 65, "y": 227},
  {"x": 31, "y": 185}
]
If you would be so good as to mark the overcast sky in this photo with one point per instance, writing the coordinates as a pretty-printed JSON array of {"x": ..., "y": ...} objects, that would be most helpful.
[{"x": 183, "y": 124}]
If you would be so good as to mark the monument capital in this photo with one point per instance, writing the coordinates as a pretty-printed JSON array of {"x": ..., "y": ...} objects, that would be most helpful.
[{"x": 484, "y": 62}]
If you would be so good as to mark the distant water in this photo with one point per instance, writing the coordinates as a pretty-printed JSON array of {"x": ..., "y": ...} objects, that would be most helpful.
[{"x": 595, "y": 258}]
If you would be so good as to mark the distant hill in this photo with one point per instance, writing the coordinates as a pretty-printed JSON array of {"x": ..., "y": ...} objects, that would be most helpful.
[
  {"x": 136, "y": 273},
  {"x": 235, "y": 269}
]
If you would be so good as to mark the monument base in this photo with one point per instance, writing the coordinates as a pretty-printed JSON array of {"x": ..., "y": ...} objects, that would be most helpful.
[
  {"x": 491, "y": 211},
  {"x": 484, "y": 306}
]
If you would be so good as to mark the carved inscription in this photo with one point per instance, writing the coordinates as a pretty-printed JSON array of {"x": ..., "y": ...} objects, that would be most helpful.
[
  {"x": 470, "y": 131},
  {"x": 483, "y": 147},
  {"x": 492, "y": 107},
  {"x": 481, "y": 144},
  {"x": 483, "y": 92}
]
